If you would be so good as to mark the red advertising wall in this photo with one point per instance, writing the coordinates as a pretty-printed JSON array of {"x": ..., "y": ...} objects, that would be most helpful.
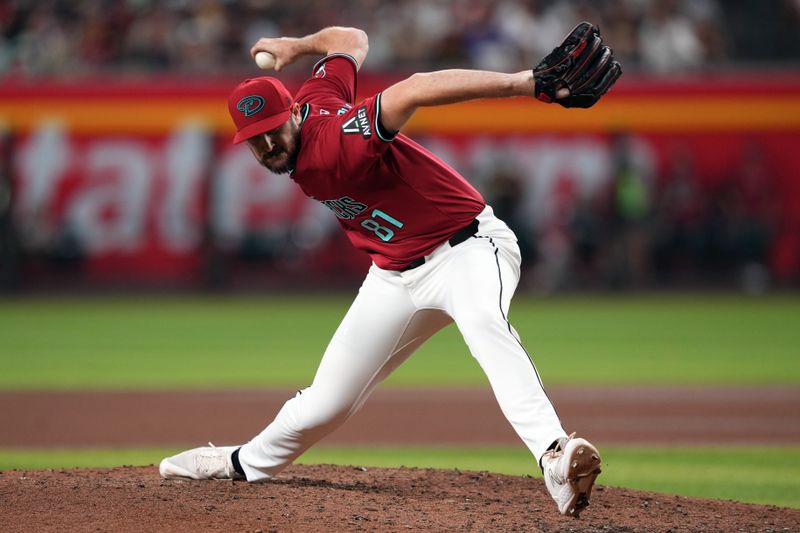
[{"x": 142, "y": 177}]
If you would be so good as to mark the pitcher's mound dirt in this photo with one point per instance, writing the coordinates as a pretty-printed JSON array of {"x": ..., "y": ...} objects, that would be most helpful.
[{"x": 337, "y": 498}]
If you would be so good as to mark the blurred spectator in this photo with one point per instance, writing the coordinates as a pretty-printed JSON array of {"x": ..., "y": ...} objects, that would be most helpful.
[
  {"x": 587, "y": 227},
  {"x": 744, "y": 216},
  {"x": 505, "y": 191},
  {"x": 9, "y": 241},
  {"x": 765, "y": 32},
  {"x": 680, "y": 219},
  {"x": 631, "y": 204},
  {"x": 664, "y": 36},
  {"x": 669, "y": 41},
  {"x": 148, "y": 43},
  {"x": 554, "y": 269},
  {"x": 619, "y": 26}
]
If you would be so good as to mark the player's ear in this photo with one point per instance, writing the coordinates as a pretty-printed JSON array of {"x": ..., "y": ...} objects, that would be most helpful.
[{"x": 296, "y": 111}]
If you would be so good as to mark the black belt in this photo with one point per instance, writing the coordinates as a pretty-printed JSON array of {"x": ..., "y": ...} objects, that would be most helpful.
[{"x": 461, "y": 235}]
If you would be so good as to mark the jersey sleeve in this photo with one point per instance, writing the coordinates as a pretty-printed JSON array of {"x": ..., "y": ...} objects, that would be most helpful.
[
  {"x": 362, "y": 139},
  {"x": 333, "y": 77}
]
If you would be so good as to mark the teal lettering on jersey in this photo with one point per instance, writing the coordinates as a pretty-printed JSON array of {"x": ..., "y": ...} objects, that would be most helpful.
[
  {"x": 384, "y": 233},
  {"x": 346, "y": 208}
]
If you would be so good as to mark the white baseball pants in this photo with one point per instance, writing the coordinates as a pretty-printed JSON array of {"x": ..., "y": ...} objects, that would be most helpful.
[{"x": 470, "y": 284}]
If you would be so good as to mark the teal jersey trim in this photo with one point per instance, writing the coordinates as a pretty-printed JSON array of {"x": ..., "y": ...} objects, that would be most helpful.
[{"x": 382, "y": 134}]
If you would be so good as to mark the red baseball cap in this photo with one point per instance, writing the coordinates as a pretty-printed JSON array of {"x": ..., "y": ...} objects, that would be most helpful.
[{"x": 258, "y": 105}]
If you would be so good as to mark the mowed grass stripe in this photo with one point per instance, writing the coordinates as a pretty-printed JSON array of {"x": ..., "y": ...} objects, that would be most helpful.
[{"x": 277, "y": 342}]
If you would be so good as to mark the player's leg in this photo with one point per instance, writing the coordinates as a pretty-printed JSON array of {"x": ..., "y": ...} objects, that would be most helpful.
[
  {"x": 482, "y": 275},
  {"x": 381, "y": 329}
]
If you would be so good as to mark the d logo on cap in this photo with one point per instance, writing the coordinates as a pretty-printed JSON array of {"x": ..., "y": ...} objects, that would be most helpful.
[
  {"x": 250, "y": 105},
  {"x": 257, "y": 106}
]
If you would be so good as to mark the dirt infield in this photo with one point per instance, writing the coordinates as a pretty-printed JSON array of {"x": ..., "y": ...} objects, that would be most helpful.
[
  {"x": 688, "y": 415},
  {"x": 336, "y": 498}
]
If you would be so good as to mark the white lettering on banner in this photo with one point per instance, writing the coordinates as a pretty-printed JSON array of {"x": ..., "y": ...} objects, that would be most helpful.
[
  {"x": 187, "y": 159},
  {"x": 112, "y": 195},
  {"x": 110, "y": 214},
  {"x": 140, "y": 195},
  {"x": 42, "y": 161},
  {"x": 248, "y": 196}
]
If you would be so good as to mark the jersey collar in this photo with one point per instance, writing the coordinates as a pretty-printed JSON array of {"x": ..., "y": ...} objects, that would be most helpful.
[{"x": 304, "y": 111}]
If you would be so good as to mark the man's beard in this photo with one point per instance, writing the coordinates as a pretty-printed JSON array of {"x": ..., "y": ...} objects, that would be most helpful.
[
  {"x": 286, "y": 167},
  {"x": 291, "y": 155}
]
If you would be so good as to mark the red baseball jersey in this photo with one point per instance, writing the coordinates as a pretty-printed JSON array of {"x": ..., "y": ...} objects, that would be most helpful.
[{"x": 395, "y": 199}]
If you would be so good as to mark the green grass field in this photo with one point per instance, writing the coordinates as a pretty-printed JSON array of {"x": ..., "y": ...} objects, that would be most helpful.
[
  {"x": 141, "y": 343},
  {"x": 85, "y": 343}
]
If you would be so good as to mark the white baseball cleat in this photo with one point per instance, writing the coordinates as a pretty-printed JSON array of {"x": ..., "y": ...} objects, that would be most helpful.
[
  {"x": 569, "y": 473},
  {"x": 200, "y": 463}
]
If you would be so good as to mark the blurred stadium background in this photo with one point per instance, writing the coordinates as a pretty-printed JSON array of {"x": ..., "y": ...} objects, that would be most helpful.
[{"x": 116, "y": 169}]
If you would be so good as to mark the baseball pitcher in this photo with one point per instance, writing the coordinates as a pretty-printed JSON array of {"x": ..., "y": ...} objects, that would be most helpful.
[{"x": 439, "y": 254}]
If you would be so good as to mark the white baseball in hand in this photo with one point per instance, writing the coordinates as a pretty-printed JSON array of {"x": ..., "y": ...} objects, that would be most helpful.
[{"x": 265, "y": 61}]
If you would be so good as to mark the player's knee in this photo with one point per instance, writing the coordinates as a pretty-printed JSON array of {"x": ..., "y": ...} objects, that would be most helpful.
[
  {"x": 481, "y": 320},
  {"x": 320, "y": 415}
]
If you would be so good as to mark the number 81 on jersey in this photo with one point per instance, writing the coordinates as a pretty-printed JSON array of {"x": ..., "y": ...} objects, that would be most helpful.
[{"x": 384, "y": 233}]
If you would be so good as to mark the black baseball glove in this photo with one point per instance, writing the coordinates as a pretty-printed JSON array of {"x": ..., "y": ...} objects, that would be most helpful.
[{"x": 582, "y": 64}]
